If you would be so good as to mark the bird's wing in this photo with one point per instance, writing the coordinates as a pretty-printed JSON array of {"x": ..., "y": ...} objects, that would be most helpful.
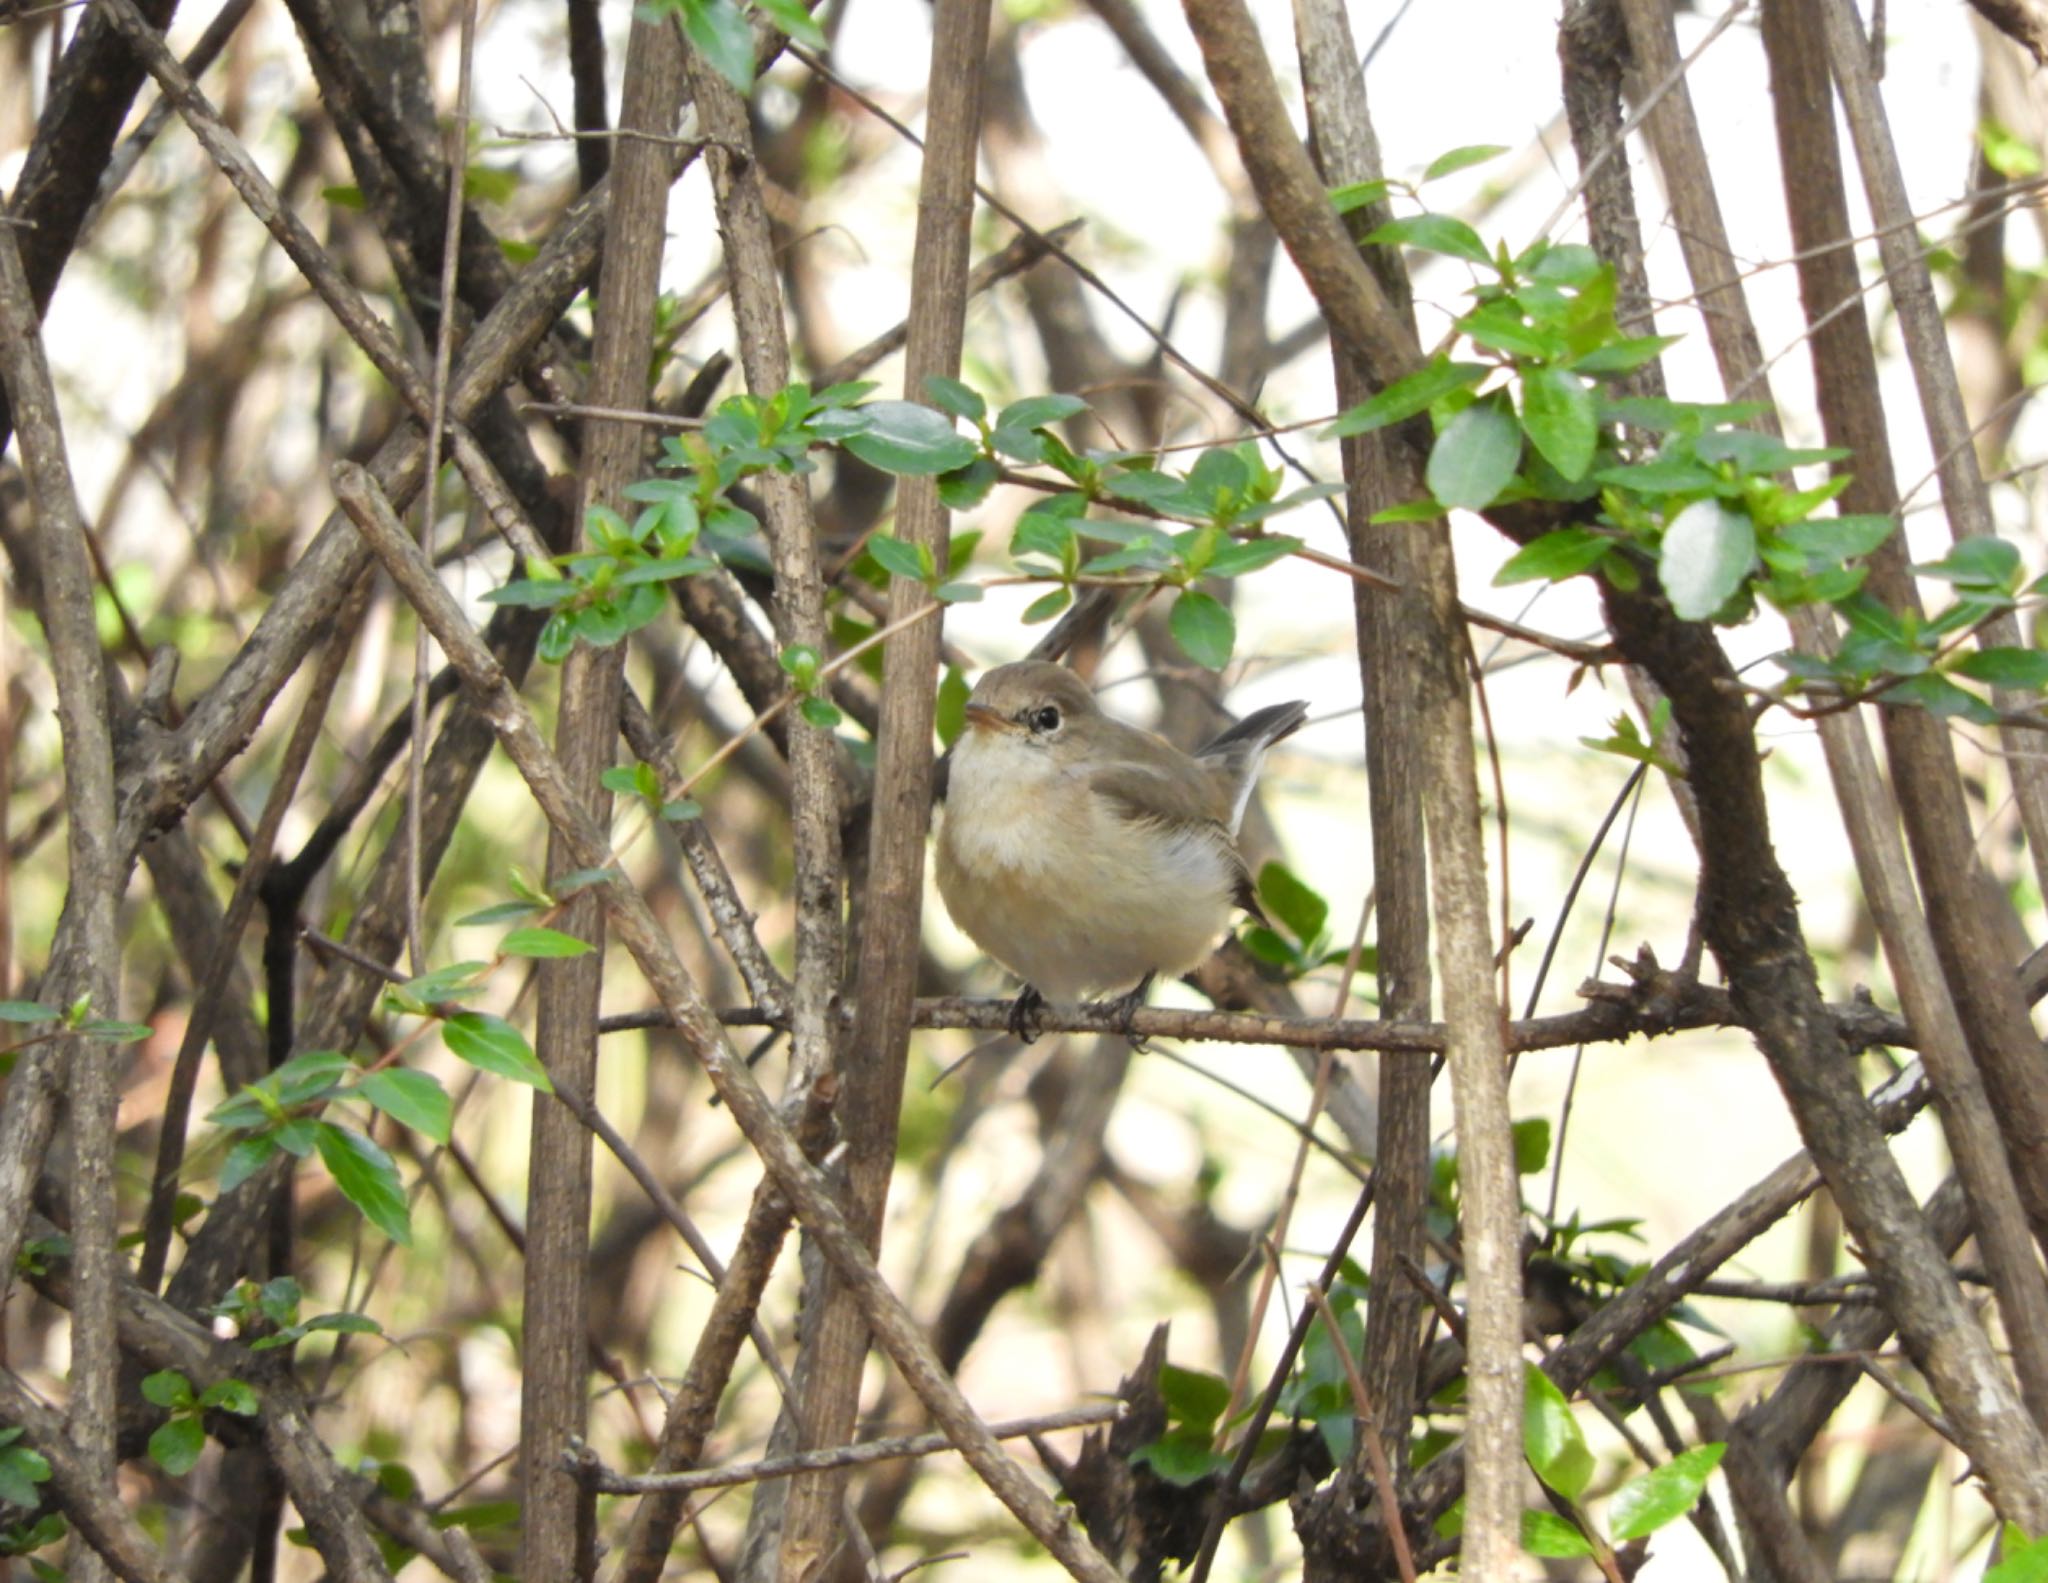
[{"x": 1142, "y": 794}]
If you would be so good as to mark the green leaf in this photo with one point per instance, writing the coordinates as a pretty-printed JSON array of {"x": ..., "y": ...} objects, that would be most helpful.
[
  {"x": 232, "y": 1396},
  {"x": 899, "y": 559},
  {"x": 1532, "y": 1145},
  {"x": 1046, "y": 606},
  {"x": 1755, "y": 454},
  {"x": 1475, "y": 456},
  {"x": 1548, "y": 1535},
  {"x": 949, "y": 715},
  {"x": 1662, "y": 1495},
  {"x": 682, "y": 810},
  {"x": 1291, "y": 903},
  {"x": 957, "y": 593},
  {"x": 1557, "y": 555},
  {"x": 949, "y": 395},
  {"x": 1836, "y": 539},
  {"x": 1204, "y": 628},
  {"x": 500, "y": 912},
  {"x": 2006, "y": 667},
  {"x": 1551, "y": 1438},
  {"x": 1180, "y": 1456},
  {"x": 23, "y": 1011},
  {"x": 413, "y": 1099},
  {"x": 1941, "y": 698},
  {"x": 1192, "y": 1398},
  {"x": 531, "y": 595},
  {"x": 539, "y": 941},
  {"x": 245, "y": 1159},
  {"x": 1707, "y": 552},
  {"x": 492, "y": 1044},
  {"x": 718, "y": 31},
  {"x": 2022, "y": 1560},
  {"x": 793, "y": 19},
  {"x": 1625, "y": 356},
  {"x": 105, "y": 1031},
  {"x": 820, "y": 712},
  {"x": 967, "y": 487},
  {"x": 1406, "y": 396},
  {"x": 443, "y": 984},
  {"x": 1661, "y": 475},
  {"x": 909, "y": 439},
  {"x": 1461, "y": 158},
  {"x": 168, "y": 1389},
  {"x": 367, "y": 1179},
  {"x": 1035, "y": 412},
  {"x": 1358, "y": 194},
  {"x": 1408, "y": 511},
  {"x": 1977, "y": 562},
  {"x": 1250, "y": 555},
  {"x": 1559, "y": 416},
  {"x": 1434, "y": 233},
  {"x": 176, "y": 1445},
  {"x": 1501, "y": 326},
  {"x": 21, "y": 1470}
]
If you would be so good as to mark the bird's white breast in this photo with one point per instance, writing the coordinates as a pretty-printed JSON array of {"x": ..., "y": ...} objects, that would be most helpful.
[{"x": 1053, "y": 882}]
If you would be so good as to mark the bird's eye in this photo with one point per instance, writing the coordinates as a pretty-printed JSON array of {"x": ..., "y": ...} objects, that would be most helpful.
[{"x": 1045, "y": 719}]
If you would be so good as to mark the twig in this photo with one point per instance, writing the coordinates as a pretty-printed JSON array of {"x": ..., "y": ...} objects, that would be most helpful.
[{"x": 860, "y": 1454}]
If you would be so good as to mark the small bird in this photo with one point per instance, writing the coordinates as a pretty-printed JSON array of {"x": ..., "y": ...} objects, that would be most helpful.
[{"x": 1086, "y": 855}]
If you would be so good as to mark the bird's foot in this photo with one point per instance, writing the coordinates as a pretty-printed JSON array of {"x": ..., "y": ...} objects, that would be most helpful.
[
  {"x": 1127, "y": 1007},
  {"x": 1024, "y": 1012}
]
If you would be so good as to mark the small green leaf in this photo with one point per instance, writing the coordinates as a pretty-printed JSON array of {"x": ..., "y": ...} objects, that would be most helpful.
[
  {"x": 2006, "y": 667},
  {"x": 1707, "y": 552},
  {"x": 245, "y": 1159},
  {"x": 950, "y": 713},
  {"x": 899, "y": 559},
  {"x": 820, "y": 712},
  {"x": 413, "y": 1099},
  {"x": 1035, "y": 412},
  {"x": 957, "y": 593},
  {"x": 1475, "y": 456},
  {"x": 367, "y": 1179},
  {"x": 967, "y": 487},
  {"x": 907, "y": 438},
  {"x": 682, "y": 810},
  {"x": 1549, "y": 1536},
  {"x": 1408, "y": 511},
  {"x": 1291, "y": 903},
  {"x": 1625, "y": 356},
  {"x": 949, "y": 395},
  {"x": 544, "y": 942},
  {"x": 1562, "y": 553},
  {"x": 21, "y": 1470},
  {"x": 176, "y": 1445},
  {"x": 719, "y": 32},
  {"x": 1192, "y": 1398},
  {"x": 1559, "y": 416},
  {"x": 1837, "y": 539},
  {"x": 1532, "y": 1145},
  {"x": 1180, "y": 1456},
  {"x": 168, "y": 1389},
  {"x": 1977, "y": 562},
  {"x": 1240, "y": 556},
  {"x": 500, "y": 912},
  {"x": 1204, "y": 628},
  {"x": 1462, "y": 158},
  {"x": 1662, "y": 1495},
  {"x": 793, "y": 19},
  {"x": 232, "y": 1396},
  {"x": 1046, "y": 606},
  {"x": 1434, "y": 233},
  {"x": 1358, "y": 194},
  {"x": 494, "y": 1045},
  {"x": 24, "y": 1011},
  {"x": 1551, "y": 1438},
  {"x": 1405, "y": 397},
  {"x": 2022, "y": 1560}
]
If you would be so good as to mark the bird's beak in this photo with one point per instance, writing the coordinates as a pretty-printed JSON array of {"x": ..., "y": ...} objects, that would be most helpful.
[{"x": 983, "y": 718}]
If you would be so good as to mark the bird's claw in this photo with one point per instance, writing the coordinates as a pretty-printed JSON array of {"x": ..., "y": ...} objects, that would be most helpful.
[
  {"x": 1127, "y": 1007},
  {"x": 1024, "y": 1010}
]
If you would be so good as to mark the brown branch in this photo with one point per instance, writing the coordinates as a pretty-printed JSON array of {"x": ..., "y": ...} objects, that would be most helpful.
[
  {"x": 97, "y": 878},
  {"x": 861, "y": 1453},
  {"x": 558, "y": 1536}
]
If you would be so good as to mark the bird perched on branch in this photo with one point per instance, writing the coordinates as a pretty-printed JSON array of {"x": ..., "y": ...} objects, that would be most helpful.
[{"x": 1086, "y": 855}]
